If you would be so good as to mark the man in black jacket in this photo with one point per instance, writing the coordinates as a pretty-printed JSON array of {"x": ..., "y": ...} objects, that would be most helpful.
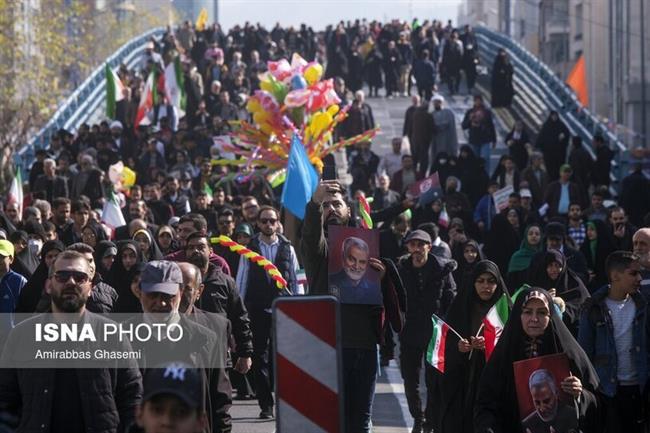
[
  {"x": 430, "y": 289},
  {"x": 160, "y": 296},
  {"x": 259, "y": 291},
  {"x": 220, "y": 295},
  {"x": 50, "y": 185},
  {"x": 361, "y": 325},
  {"x": 67, "y": 399}
]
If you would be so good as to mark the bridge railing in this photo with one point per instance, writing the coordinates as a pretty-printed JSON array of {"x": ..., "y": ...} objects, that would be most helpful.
[
  {"x": 87, "y": 100},
  {"x": 538, "y": 91}
]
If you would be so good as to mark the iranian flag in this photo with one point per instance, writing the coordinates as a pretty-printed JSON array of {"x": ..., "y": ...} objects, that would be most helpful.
[
  {"x": 175, "y": 86},
  {"x": 146, "y": 102},
  {"x": 443, "y": 219},
  {"x": 495, "y": 321},
  {"x": 112, "y": 213},
  {"x": 114, "y": 91},
  {"x": 436, "y": 348},
  {"x": 16, "y": 191}
]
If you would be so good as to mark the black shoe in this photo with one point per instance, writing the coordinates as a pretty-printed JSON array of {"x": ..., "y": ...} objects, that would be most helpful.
[
  {"x": 266, "y": 413},
  {"x": 417, "y": 426}
]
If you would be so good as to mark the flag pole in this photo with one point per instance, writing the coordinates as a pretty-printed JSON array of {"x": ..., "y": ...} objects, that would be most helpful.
[
  {"x": 480, "y": 328},
  {"x": 450, "y": 328}
]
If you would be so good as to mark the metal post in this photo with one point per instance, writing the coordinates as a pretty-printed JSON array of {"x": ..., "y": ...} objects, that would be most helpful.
[{"x": 643, "y": 101}]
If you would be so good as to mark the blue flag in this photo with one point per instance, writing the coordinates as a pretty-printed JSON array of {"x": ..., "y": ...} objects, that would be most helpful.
[{"x": 301, "y": 181}]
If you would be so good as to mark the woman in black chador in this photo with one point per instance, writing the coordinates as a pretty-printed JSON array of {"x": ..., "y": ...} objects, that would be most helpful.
[
  {"x": 553, "y": 140},
  {"x": 502, "y": 88},
  {"x": 534, "y": 329},
  {"x": 556, "y": 277},
  {"x": 465, "y": 359}
]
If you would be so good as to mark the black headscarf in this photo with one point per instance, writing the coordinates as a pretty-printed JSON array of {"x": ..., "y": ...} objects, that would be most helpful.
[
  {"x": 596, "y": 253},
  {"x": 473, "y": 177},
  {"x": 568, "y": 286},
  {"x": 98, "y": 230},
  {"x": 100, "y": 250},
  {"x": 464, "y": 271},
  {"x": 496, "y": 407},
  {"x": 31, "y": 293},
  {"x": 460, "y": 382},
  {"x": 120, "y": 279}
]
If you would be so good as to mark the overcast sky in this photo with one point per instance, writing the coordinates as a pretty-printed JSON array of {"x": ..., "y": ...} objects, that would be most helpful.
[{"x": 319, "y": 13}]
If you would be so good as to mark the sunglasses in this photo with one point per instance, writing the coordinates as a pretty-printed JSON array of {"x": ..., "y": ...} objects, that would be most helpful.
[
  {"x": 64, "y": 276},
  {"x": 268, "y": 220}
]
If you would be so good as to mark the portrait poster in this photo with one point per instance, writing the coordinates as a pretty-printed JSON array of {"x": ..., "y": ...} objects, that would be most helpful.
[
  {"x": 350, "y": 276},
  {"x": 543, "y": 406},
  {"x": 426, "y": 190}
]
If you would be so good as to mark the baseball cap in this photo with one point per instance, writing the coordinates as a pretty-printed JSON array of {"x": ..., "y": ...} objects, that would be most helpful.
[
  {"x": 244, "y": 228},
  {"x": 418, "y": 235},
  {"x": 6, "y": 248},
  {"x": 177, "y": 379},
  {"x": 161, "y": 276},
  {"x": 525, "y": 193}
]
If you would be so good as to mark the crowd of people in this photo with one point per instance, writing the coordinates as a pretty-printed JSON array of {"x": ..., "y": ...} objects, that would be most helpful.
[{"x": 581, "y": 254}]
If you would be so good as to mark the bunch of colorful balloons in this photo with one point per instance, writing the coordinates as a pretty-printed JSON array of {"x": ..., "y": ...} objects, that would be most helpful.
[{"x": 293, "y": 99}]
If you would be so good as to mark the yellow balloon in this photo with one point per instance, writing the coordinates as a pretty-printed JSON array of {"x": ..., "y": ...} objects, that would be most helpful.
[
  {"x": 260, "y": 117},
  {"x": 313, "y": 73},
  {"x": 128, "y": 177},
  {"x": 266, "y": 85},
  {"x": 320, "y": 122},
  {"x": 253, "y": 106}
]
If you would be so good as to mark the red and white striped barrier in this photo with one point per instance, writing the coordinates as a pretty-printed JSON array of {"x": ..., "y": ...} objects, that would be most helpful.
[{"x": 308, "y": 381}]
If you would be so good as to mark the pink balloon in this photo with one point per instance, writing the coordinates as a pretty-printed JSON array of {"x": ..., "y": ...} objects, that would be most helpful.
[
  {"x": 297, "y": 98},
  {"x": 280, "y": 69}
]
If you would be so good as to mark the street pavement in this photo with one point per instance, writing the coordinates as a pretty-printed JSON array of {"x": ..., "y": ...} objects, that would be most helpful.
[{"x": 390, "y": 411}]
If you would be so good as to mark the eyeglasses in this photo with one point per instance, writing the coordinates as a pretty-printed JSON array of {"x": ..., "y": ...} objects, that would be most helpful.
[
  {"x": 268, "y": 220},
  {"x": 252, "y": 206},
  {"x": 225, "y": 222},
  {"x": 64, "y": 276}
]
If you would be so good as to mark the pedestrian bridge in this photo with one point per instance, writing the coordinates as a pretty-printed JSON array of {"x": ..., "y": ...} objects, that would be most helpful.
[{"x": 537, "y": 91}]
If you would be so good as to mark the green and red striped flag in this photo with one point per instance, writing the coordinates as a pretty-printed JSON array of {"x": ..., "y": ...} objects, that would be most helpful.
[
  {"x": 495, "y": 320},
  {"x": 114, "y": 91},
  {"x": 436, "y": 348}
]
